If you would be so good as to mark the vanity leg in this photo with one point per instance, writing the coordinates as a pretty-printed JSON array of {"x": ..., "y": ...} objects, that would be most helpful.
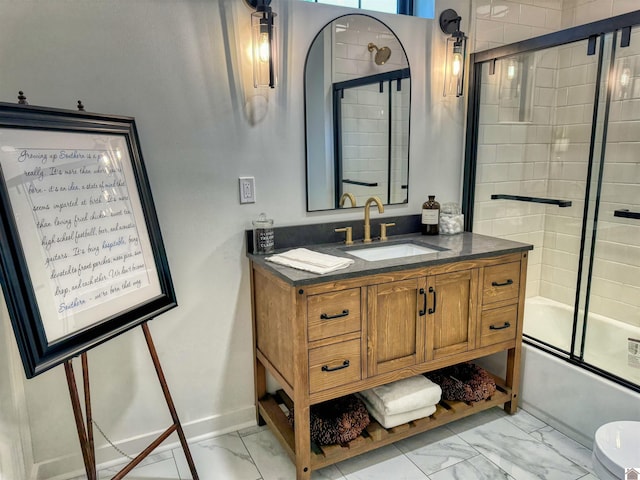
[
  {"x": 260, "y": 379},
  {"x": 303, "y": 442},
  {"x": 513, "y": 378},
  {"x": 514, "y": 354}
]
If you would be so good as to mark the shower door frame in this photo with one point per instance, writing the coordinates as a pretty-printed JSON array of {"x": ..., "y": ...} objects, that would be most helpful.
[{"x": 592, "y": 32}]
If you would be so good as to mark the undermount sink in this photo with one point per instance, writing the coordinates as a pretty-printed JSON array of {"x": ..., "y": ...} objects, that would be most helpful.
[{"x": 388, "y": 252}]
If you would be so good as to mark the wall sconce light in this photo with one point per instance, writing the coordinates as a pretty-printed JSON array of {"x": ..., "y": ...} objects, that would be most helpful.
[
  {"x": 264, "y": 44},
  {"x": 456, "y": 52}
]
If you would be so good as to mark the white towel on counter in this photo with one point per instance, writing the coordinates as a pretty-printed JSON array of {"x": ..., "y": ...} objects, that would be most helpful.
[
  {"x": 388, "y": 420},
  {"x": 403, "y": 395},
  {"x": 310, "y": 261}
]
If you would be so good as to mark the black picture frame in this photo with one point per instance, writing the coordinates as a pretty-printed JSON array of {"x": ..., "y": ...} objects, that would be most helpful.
[{"x": 81, "y": 253}]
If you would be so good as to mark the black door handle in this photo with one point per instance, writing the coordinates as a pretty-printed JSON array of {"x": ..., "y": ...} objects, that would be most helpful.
[
  {"x": 424, "y": 304},
  {"x": 433, "y": 310}
]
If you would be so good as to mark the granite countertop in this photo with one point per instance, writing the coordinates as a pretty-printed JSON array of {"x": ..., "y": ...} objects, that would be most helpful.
[{"x": 453, "y": 248}]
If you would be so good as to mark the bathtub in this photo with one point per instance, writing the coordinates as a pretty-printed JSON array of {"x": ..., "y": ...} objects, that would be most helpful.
[
  {"x": 571, "y": 399},
  {"x": 607, "y": 340}
]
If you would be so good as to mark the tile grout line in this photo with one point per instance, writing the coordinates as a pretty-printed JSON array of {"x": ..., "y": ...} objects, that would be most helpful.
[{"x": 242, "y": 437}]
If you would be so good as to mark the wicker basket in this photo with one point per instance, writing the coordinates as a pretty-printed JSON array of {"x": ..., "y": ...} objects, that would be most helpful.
[
  {"x": 337, "y": 421},
  {"x": 464, "y": 382}
]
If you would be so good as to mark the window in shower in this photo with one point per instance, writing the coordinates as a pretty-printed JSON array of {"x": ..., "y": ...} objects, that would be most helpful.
[{"x": 553, "y": 160}]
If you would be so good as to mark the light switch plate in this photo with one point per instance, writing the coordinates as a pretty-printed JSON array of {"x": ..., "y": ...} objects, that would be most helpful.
[{"x": 247, "y": 189}]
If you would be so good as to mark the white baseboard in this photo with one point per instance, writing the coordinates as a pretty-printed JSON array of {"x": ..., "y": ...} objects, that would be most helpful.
[{"x": 72, "y": 466}]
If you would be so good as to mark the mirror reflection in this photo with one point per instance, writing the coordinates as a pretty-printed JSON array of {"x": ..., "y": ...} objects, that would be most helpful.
[{"x": 357, "y": 107}]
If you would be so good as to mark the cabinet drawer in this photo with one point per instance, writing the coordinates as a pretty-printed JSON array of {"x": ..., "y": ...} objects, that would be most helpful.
[
  {"x": 332, "y": 314},
  {"x": 334, "y": 365},
  {"x": 498, "y": 325},
  {"x": 501, "y": 282}
]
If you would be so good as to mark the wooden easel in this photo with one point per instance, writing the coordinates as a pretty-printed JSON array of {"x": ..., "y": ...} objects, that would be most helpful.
[{"x": 84, "y": 422}]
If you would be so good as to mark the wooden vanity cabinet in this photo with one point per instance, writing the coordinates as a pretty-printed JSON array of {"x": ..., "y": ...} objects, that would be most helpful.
[
  {"x": 416, "y": 320},
  {"x": 328, "y": 339}
]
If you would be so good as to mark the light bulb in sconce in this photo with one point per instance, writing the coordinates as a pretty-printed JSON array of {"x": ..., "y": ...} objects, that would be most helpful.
[
  {"x": 456, "y": 50},
  {"x": 456, "y": 63},
  {"x": 625, "y": 77},
  {"x": 511, "y": 70},
  {"x": 263, "y": 48},
  {"x": 624, "y": 83},
  {"x": 264, "y": 44}
]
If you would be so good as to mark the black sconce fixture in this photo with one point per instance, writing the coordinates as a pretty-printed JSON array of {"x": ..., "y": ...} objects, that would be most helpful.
[
  {"x": 264, "y": 44},
  {"x": 456, "y": 52}
]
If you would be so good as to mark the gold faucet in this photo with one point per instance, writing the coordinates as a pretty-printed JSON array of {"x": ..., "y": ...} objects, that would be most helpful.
[
  {"x": 367, "y": 225},
  {"x": 351, "y": 198}
]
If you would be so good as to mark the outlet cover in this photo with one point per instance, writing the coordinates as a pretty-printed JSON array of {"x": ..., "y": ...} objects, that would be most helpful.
[{"x": 247, "y": 190}]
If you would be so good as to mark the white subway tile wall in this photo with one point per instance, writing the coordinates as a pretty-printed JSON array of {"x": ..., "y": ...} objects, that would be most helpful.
[
  {"x": 502, "y": 22},
  {"x": 499, "y": 22}
]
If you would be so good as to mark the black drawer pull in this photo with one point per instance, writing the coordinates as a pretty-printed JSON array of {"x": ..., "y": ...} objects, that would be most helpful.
[
  {"x": 344, "y": 313},
  {"x": 327, "y": 368},
  {"x": 496, "y": 284},
  {"x": 424, "y": 304},
  {"x": 506, "y": 325}
]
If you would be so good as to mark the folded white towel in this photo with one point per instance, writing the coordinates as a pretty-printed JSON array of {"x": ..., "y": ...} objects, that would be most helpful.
[
  {"x": 403, "y": 395},
  {"x": 393, "y": 420},
  {"x": 304, "y": 259}
]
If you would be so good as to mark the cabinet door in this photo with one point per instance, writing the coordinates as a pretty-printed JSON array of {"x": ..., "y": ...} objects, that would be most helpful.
[
  {"x": 396, "y": 325},
  {"x": 451, "y": 313}
]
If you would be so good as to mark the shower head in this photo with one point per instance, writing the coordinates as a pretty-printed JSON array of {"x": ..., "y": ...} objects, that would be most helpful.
[{"x": 382, "y": 54}]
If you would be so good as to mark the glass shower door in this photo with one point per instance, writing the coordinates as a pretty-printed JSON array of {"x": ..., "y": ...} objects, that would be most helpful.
[
  {"x": 612, "y": 299},
  {"x": 533, "y": 161},
  {"x": 553, "y": 159}
]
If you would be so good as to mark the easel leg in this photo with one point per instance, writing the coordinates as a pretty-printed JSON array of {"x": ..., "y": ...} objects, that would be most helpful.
[
  {"x": 167, "y": 396},
  {"x": 87, "y": 408},
  {"x": 85, "y": 433}
]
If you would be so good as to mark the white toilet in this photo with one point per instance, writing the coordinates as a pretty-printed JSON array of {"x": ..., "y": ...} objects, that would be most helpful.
[{"x": 616, "y": 447}]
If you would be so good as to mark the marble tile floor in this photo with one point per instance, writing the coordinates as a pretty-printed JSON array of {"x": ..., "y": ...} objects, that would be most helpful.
[{"x": 490, "y": 445}]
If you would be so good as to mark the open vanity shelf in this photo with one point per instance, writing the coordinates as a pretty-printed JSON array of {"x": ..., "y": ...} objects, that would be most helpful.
[
  {"x": 323, "y": 337},
  {"x": 272, "y": 409}
]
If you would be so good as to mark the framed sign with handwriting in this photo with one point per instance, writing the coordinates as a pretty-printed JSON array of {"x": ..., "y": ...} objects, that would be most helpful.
[{"x": 81, "y": 254}]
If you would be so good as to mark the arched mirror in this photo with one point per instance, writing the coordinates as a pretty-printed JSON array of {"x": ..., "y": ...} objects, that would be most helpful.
[{"x": 357, "y": 110}]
